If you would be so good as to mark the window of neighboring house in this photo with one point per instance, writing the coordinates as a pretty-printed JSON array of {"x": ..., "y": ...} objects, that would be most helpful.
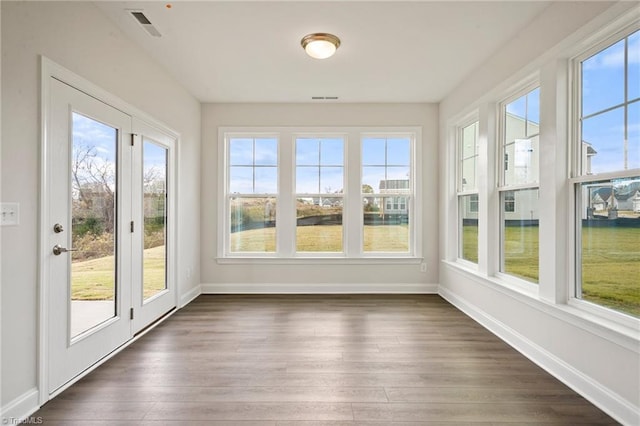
[
  {"x": 606, "y": 174},
  {"x": 473, "y": 203},
  {"x": 520, "y": 128},
  {"x": 387, "y": 174},
  {"x": 295, "y": 192},
  {"x": 467, "y": 155},
  {"x": 509, "y": 202},
  {"x": 319, "y": 194},
  {"x": 252, "y": 194}
]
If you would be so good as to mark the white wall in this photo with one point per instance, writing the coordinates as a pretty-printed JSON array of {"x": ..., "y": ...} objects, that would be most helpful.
[
  {"x": 229, "y": 277},
  {"x": 597, "y": 357},
  {"x": 77, "y": 36}
]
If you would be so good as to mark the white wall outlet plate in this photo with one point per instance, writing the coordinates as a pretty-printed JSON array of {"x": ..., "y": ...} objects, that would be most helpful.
[{"x": 9, "y": 214}]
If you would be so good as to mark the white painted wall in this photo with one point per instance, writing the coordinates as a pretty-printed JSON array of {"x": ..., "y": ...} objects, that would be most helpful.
[
  {"x": 316, "y": 277},
  {"x": 599, "y": 358},
  {"x": 77, "y": 36}
]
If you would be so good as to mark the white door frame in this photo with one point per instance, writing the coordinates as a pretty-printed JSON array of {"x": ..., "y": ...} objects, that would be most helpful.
[
  {"x": 145, "y": 311},
  {"x": 50, "y": 69}
]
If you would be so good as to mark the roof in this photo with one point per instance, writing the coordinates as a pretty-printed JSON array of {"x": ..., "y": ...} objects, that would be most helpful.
[{"x": 394, "y": 184}]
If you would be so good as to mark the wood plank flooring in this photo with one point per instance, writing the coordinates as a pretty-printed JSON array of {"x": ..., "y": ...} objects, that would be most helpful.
[{"x": 317, "y": 360}]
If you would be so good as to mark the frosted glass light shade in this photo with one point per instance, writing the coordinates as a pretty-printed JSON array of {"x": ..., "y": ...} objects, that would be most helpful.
[{"x": 320, "y": 45}]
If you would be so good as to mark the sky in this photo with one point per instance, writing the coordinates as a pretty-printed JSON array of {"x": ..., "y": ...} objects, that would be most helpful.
[
  {"x": 97, "y": 138},
  {"x": 319, "y": 164},
  {"x": 603, "y": 88},
  {"x": 102, "y": 140}
]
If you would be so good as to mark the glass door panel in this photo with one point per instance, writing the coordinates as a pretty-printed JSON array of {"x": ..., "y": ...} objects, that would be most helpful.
[
  {"x": 154, "y": 184},
  {"x": 93, "y": 223}
]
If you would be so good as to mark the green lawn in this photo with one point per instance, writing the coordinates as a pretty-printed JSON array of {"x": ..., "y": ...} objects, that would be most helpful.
[
  {"x": 470, "y": 243},
  {"x": 611, "y": 262},
  {"x": 94, "y": 279},
  {"x": 521, "y": 252},
  {"x": 611, "y": 268},
  {"x": 611, "y": 259},
  {"x": 325, "y": 238}
]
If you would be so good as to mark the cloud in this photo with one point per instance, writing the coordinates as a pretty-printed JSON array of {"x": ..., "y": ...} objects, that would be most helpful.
[{"x": 613, "y": 56}]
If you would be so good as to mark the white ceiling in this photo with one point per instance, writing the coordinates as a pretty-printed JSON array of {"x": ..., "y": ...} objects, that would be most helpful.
[{"x": 391, "y": 51}]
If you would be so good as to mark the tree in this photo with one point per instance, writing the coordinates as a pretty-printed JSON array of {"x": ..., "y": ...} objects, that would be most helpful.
[
  {"x": 370, "y": 205},
  {"x": 93, "y": 186}
]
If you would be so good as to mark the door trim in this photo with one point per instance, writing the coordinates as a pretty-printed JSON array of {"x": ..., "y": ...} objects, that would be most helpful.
[{"x": 49, "y": 70}]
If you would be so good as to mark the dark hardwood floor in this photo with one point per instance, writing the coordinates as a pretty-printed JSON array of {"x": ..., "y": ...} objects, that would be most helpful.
[{"x": 319, "y": 360}]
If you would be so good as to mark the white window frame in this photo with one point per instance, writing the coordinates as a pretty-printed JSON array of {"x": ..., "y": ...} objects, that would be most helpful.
[
  {"x": 353, "y": 222},
  {"x": 227, "y": 196},
  {"x": 343, "y": 196},
  {"x": 503, "y": 187},
  {"x": 460, "y": 192},
  {"x": 577, "y": 178},
  {"x": 411, "y": 204}
]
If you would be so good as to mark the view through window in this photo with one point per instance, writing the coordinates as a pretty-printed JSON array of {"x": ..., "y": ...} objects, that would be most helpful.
[
  {"x": 468, "y": 192},
  {"x": 311, "y": 190},
  {"x": 519, "y": 186},
  {"x": 609, "y": 208}
]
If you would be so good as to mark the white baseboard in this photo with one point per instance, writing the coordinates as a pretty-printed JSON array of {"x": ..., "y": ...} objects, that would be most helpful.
[
  {"x": 188, "y": 297},
  {"x": 608, "y": 401},
  {"x": 318, "y": 288},
  {"x": 20, "y": 408}
]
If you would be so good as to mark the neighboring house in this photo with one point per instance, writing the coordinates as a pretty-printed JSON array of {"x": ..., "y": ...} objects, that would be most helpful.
[
  {"x": 603, "y": 199},
  {"x": 635, "y": 201},
  {"x": 598, "y": 203},
  {"x": 587, "y": 155},
  {"x": 396, "y": 204}
]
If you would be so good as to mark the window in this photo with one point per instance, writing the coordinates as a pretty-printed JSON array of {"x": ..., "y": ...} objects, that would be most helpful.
[
  {"x": 606, "y": 175},
  {"x": 468, "y": 192},
  {"x": 252, "y": 194},
  {"x": 296, "y": 193},
  {"x": 319, "y": 194},
  {"x": 386, "y": 173},
  {"x": 509, "y": 201},
  {"x": 520, "y": 124}
]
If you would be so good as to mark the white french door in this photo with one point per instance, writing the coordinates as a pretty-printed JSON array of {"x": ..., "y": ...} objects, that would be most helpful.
[
  {"x": 110, "y": 236},
  {"x": 153, "y": 155}
]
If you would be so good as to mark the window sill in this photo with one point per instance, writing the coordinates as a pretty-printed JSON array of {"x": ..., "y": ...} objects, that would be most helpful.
[
  {"x": 502, "y": 281},
  {"x": 626, "y": 335},
  {"x": 308, "y": 260}
]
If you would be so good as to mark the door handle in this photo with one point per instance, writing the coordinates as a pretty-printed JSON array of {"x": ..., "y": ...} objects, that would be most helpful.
[{"x": 58, "y": 250}]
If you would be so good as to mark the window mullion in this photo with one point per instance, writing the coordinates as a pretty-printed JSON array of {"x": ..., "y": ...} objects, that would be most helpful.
[
  {"x": 286, "y": 208},
  {"x": 352, "y": 216}
]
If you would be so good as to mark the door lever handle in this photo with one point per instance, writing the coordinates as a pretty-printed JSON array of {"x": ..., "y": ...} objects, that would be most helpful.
[{"x": 58, "y": 250}]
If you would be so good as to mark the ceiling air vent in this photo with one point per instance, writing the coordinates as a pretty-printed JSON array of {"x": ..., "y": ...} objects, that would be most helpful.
[
  {"x": 145, "y": 23},
  {"x": 324, "y": 98}
]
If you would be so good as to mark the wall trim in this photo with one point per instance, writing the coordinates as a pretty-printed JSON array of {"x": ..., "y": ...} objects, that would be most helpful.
[
  {"x": 318, "y": 288},
  {"x": 602, "y": 397},
  {"x": 617, "y": 333},
  {"x": 20, "y": 408},
  {"x": 188, "y": 297}
]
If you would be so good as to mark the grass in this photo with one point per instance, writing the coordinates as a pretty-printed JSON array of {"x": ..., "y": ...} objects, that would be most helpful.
[
  {"x": 611, "y": 259},
  {"x": 610, "y": 264},
  {"x": 521, "y": 249},
  {"x": 470, "y": 243},
  {"x": 611, "y": 268},
  {"x": 94, "y": 279},
  {"x": 325, "y": 238}
]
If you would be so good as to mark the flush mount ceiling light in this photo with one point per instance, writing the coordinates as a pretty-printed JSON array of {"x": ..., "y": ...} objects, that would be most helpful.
[{"x": 320, "y": 45}]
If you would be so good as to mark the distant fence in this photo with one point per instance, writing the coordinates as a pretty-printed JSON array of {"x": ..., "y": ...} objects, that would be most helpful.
[
  {"x": 327, "y": 219},
  {"x": 621, "y": 222},
  {"x": 386, "y": 219}
]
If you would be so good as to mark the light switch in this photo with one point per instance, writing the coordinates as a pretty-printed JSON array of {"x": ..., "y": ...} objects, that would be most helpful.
[{"x": 9, "y": 214}]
